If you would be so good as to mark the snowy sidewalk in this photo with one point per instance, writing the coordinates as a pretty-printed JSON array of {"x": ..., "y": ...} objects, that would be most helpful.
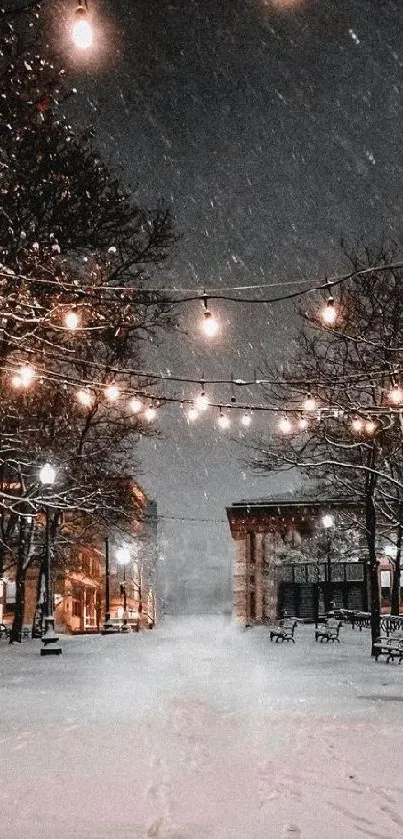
[{"x": 199, "y": 730}]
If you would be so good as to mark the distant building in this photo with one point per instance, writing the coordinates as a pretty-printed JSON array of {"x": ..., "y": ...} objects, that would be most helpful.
[{"x": 287, "y": 560}]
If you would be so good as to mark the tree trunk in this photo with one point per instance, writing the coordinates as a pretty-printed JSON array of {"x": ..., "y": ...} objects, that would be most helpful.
[
  {"x": 370, "y": 522},
  {"x": 20, "y": 576}
]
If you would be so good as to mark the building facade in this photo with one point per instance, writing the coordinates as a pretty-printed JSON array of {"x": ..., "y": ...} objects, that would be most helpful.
[{"x": 295, "y": 556}]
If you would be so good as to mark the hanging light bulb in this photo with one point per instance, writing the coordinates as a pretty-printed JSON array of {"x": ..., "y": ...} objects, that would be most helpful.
[
  {"x": 357, "y": 425},
  {"x": 210, "y": 324},
  {"x": 309, "y": 403},
  {"x": 81, "y": 32},
  {"x": 285, "y": 426},
  {"x": 135, "y": 405},
  {"x": 303, "y": 424},
  {"x": 192, "y": 413},
  {"x": 85, "y": 397},
  {"x": 246, "y": 419},
  {"x": 150, "y": 413},
  {"x": 396, "y": 394},
  {"x": 71, "y": 320},
  {"x": 201, "y": 401},
  {"x": 370, "y": 426},
  {"x": 24, "y": 377},
  {"x": 112, "y": 393},
  {"x": 223, "y": 420},
  {"x": 329, "y": 313}
]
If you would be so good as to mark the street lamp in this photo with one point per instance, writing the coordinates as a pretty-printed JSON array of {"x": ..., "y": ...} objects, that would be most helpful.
[
  {"x": 328, "y": 523},
  {"x": 123, "y": 558},
  {"x": 50, "y": 641}
]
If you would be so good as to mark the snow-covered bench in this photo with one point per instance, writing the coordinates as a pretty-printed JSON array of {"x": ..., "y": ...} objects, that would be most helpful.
[
  {"x": 285, "y": 631},
  {"x": 389, "y": 645},
  {"x": 328, "y": 631}
]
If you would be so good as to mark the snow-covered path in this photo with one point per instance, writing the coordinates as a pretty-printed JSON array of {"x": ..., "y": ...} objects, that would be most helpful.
[{"x": 200, "y": 731}]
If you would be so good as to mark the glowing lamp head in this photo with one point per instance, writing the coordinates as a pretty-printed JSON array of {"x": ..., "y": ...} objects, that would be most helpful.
[
  {"x": 329, "y": 313},
  {"x": 201, "y": 401},
  {"x": 136, "y": 405},
  {"x": 246, "y": 420},
  {"x": 396, "y": 395},
  {"x": 210, "y": 324},
  {"x": 71, "y": 320},
  {"x": 285, "y": 425},
  {"x": 327, "y": 520},
  {"x": 47, "y": 474},
  {"x": 223, "y": 420},
  {"x": 123, "y": 556},
  {"x": 81, "y": 32}
]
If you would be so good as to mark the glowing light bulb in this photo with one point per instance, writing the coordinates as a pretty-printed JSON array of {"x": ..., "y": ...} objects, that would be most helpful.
[
  {"x": 192, "y": 413},
  {"x": 71, "y": 320},
  {"x": 223, "y": 420},
  {"x": 136, "y": 405},
  {"x": 285, "y": 426},
  {"x": 150, "y": 413},
  {"x": 201, "y": 401},
  {"x": 85, "y": 397},
  {"x": 357, "y": 425},
  {"x": 309, "y": 403},
  {"x": 370, "y": 427},
  {"x": 112, "y": 393},
  {"x": 329, "y": 313},
  {"x": 246, "y": 419},
  {"x": 396, "y": 395},
  {"x": 24, "y": 377},
  {"x": 81, "y": 32},
  {"x": 210, "y": 324},
  {"x": 47, "y": 474},
  {"x": 303, "y": 424}
]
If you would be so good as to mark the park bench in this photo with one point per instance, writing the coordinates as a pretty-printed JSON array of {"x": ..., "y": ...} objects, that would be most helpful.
[
  {"x": 328, "y": 631},
  {"x": 389, "y": 645},
  {"x": 285, "y": 631}
]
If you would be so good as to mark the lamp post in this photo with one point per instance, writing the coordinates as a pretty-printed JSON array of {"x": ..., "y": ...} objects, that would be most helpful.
[
  {"x": 123, "y": 558},
  {"x": 108, "y": 626},
  {"x": 328, "y": 523},
  {"x": 50, "y": 640}
]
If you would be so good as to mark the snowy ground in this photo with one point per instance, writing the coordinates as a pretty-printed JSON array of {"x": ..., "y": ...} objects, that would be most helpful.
[{"x": 199, "y": 730}]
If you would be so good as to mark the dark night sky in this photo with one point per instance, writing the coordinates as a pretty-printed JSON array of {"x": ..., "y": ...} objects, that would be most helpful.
[{"x": 273, "y": 129}]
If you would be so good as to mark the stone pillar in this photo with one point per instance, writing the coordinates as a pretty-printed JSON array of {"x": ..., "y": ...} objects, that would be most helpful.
[
  {"x": 271, "y": 585},
  {"x": 239, "y": 582},
  {"x": 259, "y": 577}
]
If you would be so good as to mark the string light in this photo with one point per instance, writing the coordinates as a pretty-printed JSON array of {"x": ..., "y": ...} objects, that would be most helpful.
[
  {"x": 396, "y": 394},
  {"x": 135, "y": 405},
  {"x": 303, "y": 424},
  {"x": 202, "y": 401},
  {"x": 85, "y": 397},
  {"x": 192, "y": 414},
  {"x": 370, "y": 427},
  {"x": 246, "y": 419},
  {"x": 81, "y": 33},
  {"x": 309, "y": 403},
  {"x": 71, "y": 320},
  {"x": 223, "y": 420},
  {"x": 112, "y": 393},
  {"x": 329, "y": 313},
  {"x": 150, "y": 413},
  {"x": 357, "y": 425},
  {"x": 210, "y": 324},
  {"x": 285, "y": 426},
  {"x": 24, "y": 377}
]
